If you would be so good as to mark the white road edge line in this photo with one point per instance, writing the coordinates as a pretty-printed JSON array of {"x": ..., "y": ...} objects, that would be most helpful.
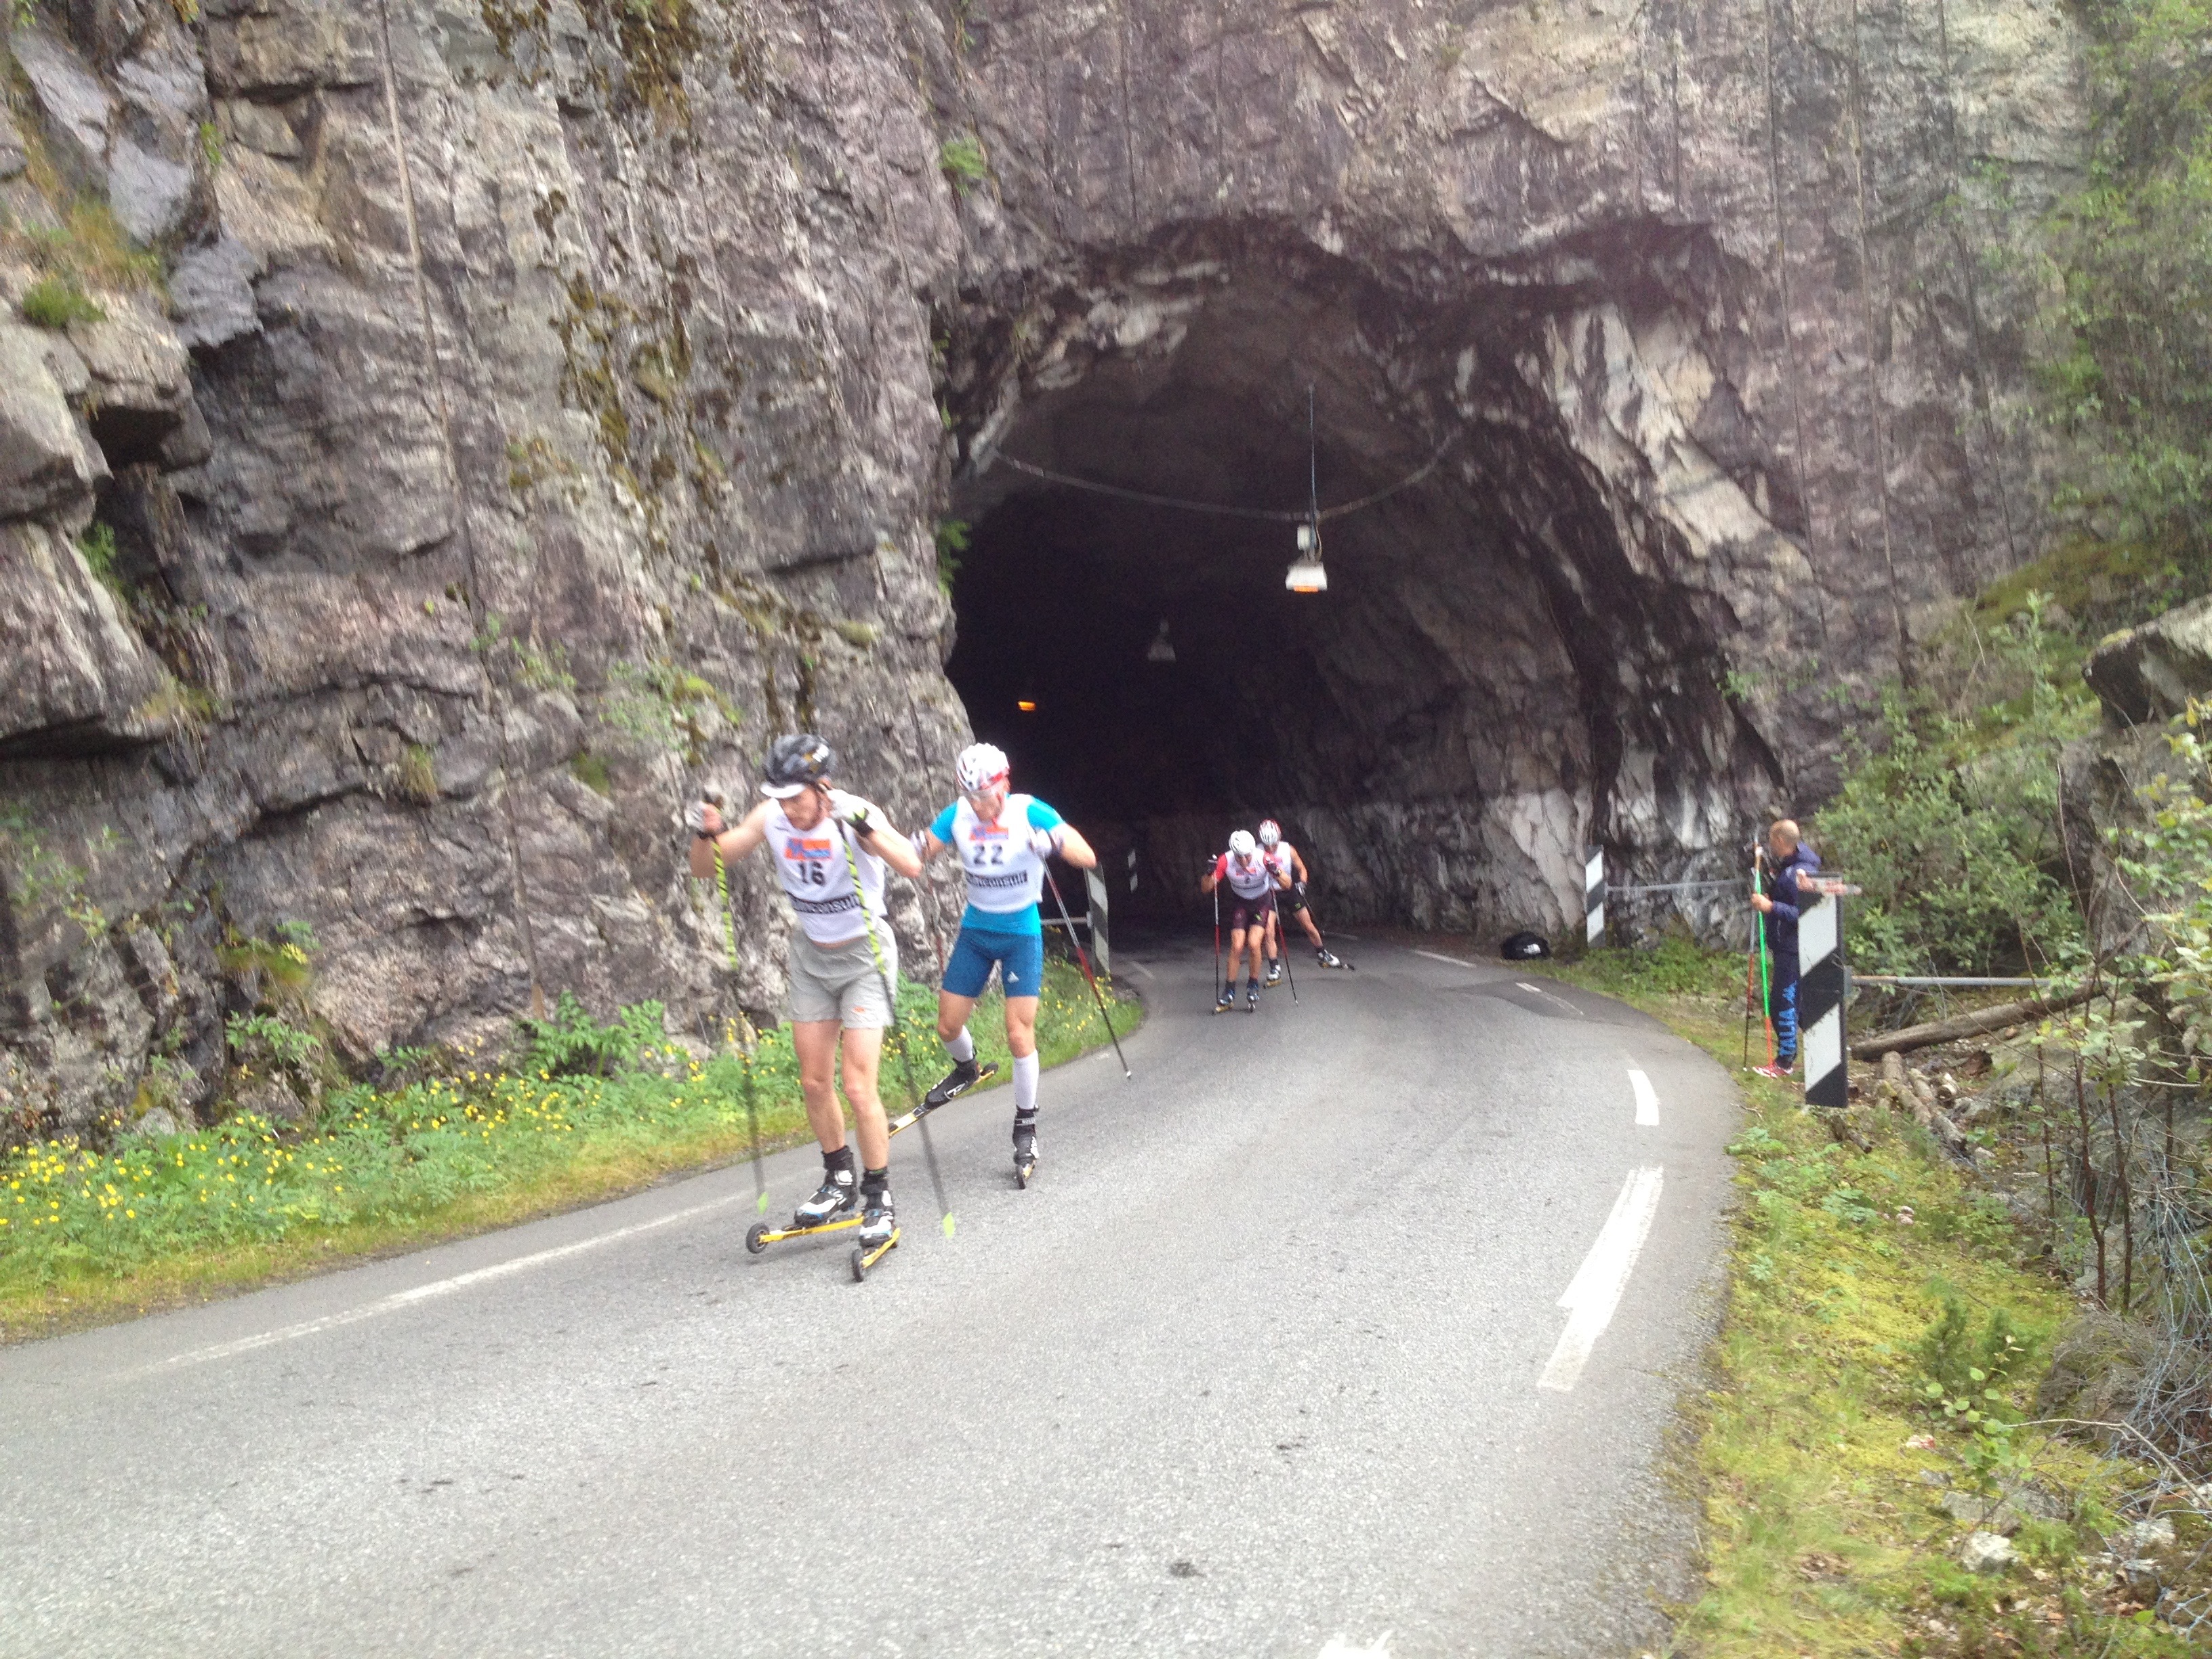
[
  {"x": 408, "y": 1299},
  {"x": 1454, "y": 961},
  {"x": 1596, "y": 1292},
  {"x": 1647, "y": 1099},
  {"x": 1136, "y": 967}
]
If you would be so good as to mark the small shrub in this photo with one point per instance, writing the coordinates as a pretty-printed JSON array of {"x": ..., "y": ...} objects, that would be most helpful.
[
  {"x": 55, "y": 302},
  {"x": 418, "y": 775},
  {"x": 569, "y": 1042},
  {"x": 97, "y": 545},
  {"x": 951, "y": 541},
  {"x": 962, "y": 161}
]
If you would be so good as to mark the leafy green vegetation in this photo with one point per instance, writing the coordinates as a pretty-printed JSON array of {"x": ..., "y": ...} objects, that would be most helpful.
[
  {"x": 55, "y": 302},
  {"x": 961, "y": 159},
  {"x": 97, "y": 545},
  {"x": 2126, "y": 360},
  {"x": 586, "y": 1108},
  {"x": 1951, "y": 819}
]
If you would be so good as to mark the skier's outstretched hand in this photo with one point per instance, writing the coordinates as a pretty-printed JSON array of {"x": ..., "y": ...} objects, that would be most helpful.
[{"x": 703, "y": 819}]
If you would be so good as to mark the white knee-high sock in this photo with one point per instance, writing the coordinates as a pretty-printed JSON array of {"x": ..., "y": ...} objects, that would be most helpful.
[
  {"x": 961, "y": 1047},
  {"x": 1026, "y": 1082}
]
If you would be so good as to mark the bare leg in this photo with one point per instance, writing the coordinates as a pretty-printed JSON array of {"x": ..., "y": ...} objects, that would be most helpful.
[
  {"x": 1021, "y": 1026},
  {"x": 952, "y": 1015},
  {"x": 1313, "y": 933},
  {"x": 864, "y": 1049},
  {"x": 815, "y": 1041}
]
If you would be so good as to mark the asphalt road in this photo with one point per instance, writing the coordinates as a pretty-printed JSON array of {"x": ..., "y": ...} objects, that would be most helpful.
[{"x": 1274, "y": 1359}]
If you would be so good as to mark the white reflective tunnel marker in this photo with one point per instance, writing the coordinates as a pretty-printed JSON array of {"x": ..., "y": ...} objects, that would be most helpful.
[
  {"x": 1647, "y": 1099},
  {"x": 1596, "y": 1292}
]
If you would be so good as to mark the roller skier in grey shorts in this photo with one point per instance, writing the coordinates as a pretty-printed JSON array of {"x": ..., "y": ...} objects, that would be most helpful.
[{"x": 820, "y": 836}]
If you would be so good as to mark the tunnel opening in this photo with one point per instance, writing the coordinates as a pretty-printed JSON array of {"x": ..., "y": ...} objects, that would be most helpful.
[{"x": 1524, "y": 647}]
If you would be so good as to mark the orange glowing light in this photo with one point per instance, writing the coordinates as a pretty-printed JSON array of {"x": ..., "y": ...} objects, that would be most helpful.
[{"x": 1026, "y": 707}]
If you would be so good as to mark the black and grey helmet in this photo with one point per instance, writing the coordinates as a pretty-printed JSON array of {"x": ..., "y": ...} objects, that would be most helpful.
[{"x": 797, "y": 761}]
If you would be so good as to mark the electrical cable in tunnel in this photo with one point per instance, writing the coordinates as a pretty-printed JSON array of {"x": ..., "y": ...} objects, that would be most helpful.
[{"x": 1312, "y": 515}]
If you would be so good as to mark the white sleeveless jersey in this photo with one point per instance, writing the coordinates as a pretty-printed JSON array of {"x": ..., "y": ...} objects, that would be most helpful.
[
  {"x": 1247, "y": 881},
  {"x": 1004, "y": 875},
  {"x": 814, "y": 871},
  {"x": 1285, "y": 858}
]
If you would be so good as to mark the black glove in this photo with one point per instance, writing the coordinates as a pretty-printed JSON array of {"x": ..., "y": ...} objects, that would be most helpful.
[{"x": 1299, "y": 888}]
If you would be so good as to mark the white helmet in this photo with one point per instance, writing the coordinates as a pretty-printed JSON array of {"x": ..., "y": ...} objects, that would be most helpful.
[
  {"x": 1270, "y": 832},
  {"x": 1242, "y": 844},
  {"x": 980, "y": 766}
]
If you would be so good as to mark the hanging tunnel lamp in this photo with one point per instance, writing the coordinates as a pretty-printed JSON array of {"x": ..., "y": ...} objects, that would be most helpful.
[
  {"x": 1307, "y": 575},
  {"x": 1163, "y": 648}
]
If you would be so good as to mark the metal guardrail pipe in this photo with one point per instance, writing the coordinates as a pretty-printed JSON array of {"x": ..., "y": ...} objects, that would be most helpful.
[
  {"x": 1927, "y": 979},
  {"x": 1677, "y": 887}
]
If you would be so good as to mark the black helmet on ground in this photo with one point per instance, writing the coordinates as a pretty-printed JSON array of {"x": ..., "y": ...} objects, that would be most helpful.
[{"x": 800, "y": 761}]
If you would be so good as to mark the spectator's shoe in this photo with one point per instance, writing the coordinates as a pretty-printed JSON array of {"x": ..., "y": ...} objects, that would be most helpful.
[{"x": 1781, "y": 1072}]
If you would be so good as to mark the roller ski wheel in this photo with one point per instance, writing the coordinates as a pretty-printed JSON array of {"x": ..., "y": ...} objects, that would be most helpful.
[
  {"x": 866, "y": 1256},
  {"x": 1252, "y": 999},
  {"x": 1025, "y": 1155},
  {"x": 756, "y": 1237},
  {"x": 1225, "y": 1001}
]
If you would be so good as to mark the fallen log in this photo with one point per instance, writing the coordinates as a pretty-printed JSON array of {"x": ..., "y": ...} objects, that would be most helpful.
[{"x": 1967, "y": 1025}]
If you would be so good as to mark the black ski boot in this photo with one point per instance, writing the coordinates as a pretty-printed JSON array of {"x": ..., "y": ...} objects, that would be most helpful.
[
  {"x": 879, "y": 1221},
  {"x": 1251, "y": 996},
  {"x": 1227, "y": 999},
  {"x": 1274, "y": 972},
  {"x": 836, "y": 1196},
  {"x": 954, "y": 1082},
  {"x": 1025, "y": 1149}
]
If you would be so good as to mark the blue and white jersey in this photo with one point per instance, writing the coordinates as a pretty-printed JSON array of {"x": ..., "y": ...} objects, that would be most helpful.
[{"x": 1006, "y": 878}]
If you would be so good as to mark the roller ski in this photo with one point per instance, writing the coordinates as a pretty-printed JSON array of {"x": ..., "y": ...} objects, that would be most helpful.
[
  {"x": 930, "y": 1102},
  {"x": 879, "y": 1233},
  {"x": 1226, "y": 1000},
  {"x": 964, "y": 1075},
  {"x": 1252, "y": 996},
  {"x": 1328, "y": 958},
  {"x": 1026, "y": 1152},
  {"x": 836, "y": 1208},
  {"x": 1274, "y": 972}
]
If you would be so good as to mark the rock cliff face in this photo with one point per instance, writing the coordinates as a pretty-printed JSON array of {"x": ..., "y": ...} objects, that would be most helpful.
[{"x": 521, "y": 409}]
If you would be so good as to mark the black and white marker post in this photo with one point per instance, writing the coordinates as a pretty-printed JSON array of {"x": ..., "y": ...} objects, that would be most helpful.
[
  {"x": 1820, "y": 985},
  {"x": 1594, "y": 896}
]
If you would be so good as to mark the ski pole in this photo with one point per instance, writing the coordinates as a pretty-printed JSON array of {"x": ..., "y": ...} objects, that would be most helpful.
[
  {"x": 898, "y": 1029},
  {"x": 1275, "y": 922},
  {"x": 1750, "y": 961},
  {"x": 1083, "y": 957},
  {"x": 730, "y": 944},
  {"x": 1216, "y": 932}
]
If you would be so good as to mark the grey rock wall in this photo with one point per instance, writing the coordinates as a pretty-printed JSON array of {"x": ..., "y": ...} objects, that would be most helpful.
[{"x": 544, "y": 400}]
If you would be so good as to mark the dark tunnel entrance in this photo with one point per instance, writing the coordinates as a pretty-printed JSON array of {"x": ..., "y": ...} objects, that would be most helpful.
[{"x": 1504, "y": 667}]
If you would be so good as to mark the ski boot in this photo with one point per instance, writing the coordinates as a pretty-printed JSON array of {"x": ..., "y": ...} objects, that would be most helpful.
[
  {"x": 1328, "y": 958},
  {"x": 878, "y": 1220},
  {"x": 1251, "y": 996},
  {"x": 963, "y": 1076},
  {"x": 1025, "y": 1150},
  {"x": 1227, "y": 999},
  {"x": 1274, "y": 972},
  {"x": 834, "y": 1200}
]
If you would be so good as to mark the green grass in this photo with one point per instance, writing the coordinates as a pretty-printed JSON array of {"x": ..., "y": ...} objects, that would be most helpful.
[
  {"x": 55, "y": 302},
  {"x": 1816, "y": 1442},
  {"x": 87, "y": 1234}
]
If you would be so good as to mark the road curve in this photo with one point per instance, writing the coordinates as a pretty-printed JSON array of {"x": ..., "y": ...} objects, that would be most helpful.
[{"x": 1272, "y": 1360}]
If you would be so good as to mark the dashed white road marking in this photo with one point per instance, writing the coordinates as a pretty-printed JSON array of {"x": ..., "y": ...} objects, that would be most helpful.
[
  {"x": 1595, "y": 1291},
  {"x": 1136, "y": 967},
  {"x": 1647, "y": 1099},
  {"x": 1432, "y": 956},
  {"x": 1548, "y": 996},
  {"x": 408, "y": 1299},
  {"x": 1339, "y": 1648}
]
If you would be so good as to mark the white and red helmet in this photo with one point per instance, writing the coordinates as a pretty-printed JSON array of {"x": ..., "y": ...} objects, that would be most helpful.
[
  {"x": 1271, "y": 834},
  {"x": 1242, "y": 844},
  {"x": 981, "y": 767}
]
